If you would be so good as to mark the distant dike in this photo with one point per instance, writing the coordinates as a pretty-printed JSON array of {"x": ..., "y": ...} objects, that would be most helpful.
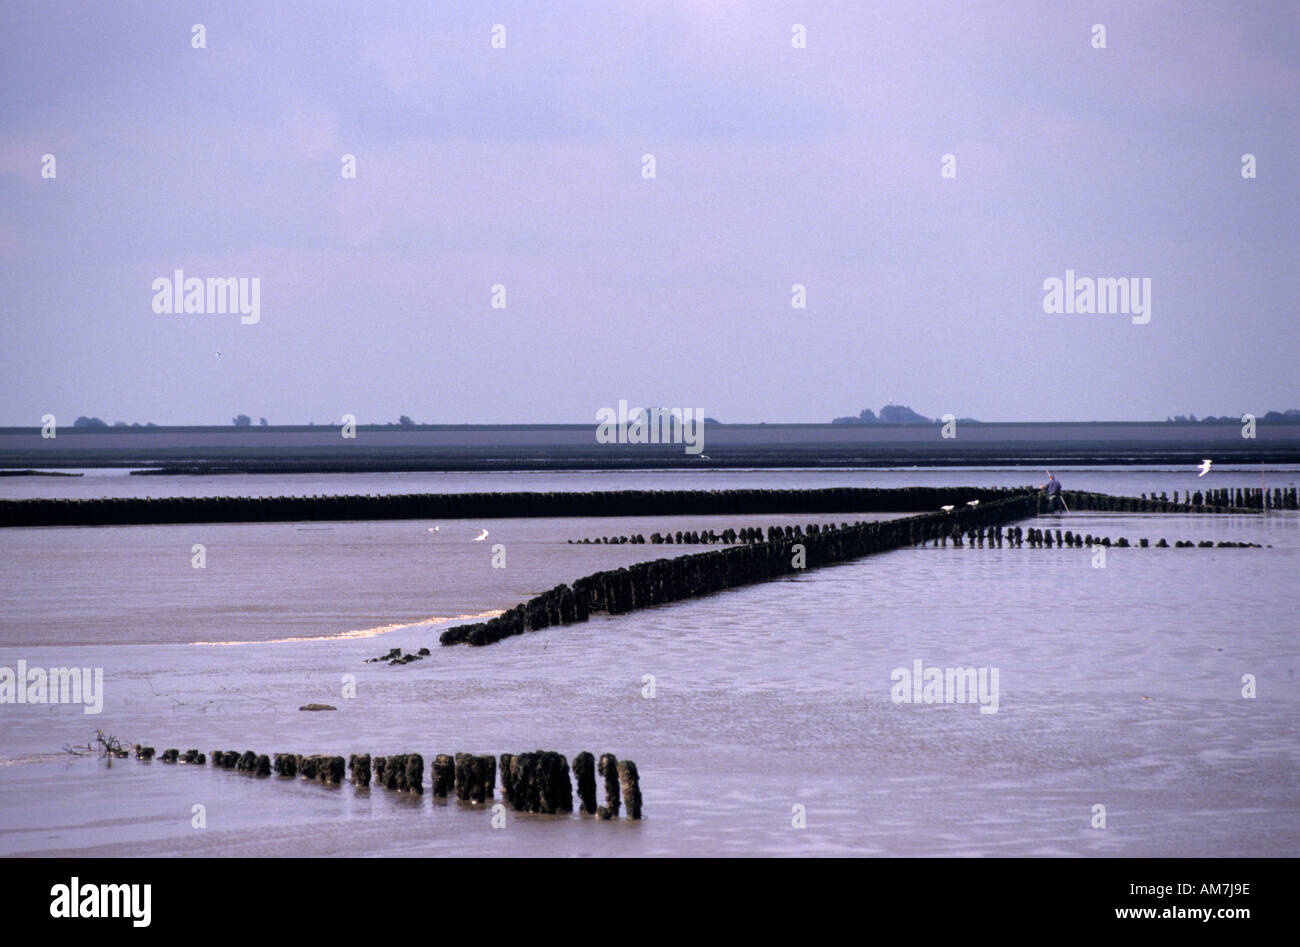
[{"x": 322, "y": 449}]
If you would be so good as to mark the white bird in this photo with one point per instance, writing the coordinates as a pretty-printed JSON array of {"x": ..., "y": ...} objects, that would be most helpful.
[
  {"x": 972, "y": 503},
  {"x": 947, "y": 509},
  {"x": 481, "y": 536},
  {"x": 1205, "y": 467},
  {"x": 434, "y": 529},
  {"x": 218, "y": 356}
]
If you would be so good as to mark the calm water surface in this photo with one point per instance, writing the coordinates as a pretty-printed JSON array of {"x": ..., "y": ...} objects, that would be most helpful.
[
  {"x": 1118, "y": 686},
  {"x": 117, "y": 482}
]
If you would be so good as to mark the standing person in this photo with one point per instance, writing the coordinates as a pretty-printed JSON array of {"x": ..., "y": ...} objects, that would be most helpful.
[{"x": 1053, "y": 487}]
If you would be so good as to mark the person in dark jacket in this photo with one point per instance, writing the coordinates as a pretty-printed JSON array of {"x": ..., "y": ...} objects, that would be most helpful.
[{"x": 1053, "y": 488}]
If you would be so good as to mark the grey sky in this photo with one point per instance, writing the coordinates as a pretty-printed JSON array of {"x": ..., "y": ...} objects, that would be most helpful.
[{"x": 522, "y": 166}]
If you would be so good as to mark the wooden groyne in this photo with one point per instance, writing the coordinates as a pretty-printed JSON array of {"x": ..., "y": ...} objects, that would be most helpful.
[
  {"x": 131, "y": 511},
  {"x": 530, "y": 782},
  {"x": 1043, "y": 539},
  {"x": 1016, "y": 537},
  {"x": 656, "y": 582},
  {"x": 1213, "y": 501},
  {"x": 1217, "y": 502},
  {"x": 754, "y": 556}
]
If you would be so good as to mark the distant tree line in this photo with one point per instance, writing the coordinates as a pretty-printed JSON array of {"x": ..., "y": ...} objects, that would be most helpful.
[
  {"x": 891, "y": 414},
  {"x": 84, "y": 421},
  {"x": 1291, "y": 416}
]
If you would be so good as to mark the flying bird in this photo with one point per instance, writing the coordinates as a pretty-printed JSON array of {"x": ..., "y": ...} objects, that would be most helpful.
[
  {"x": 1205, "y": 467},
  {"x": 948, "y": 509},
  {"x": 481, "y": 536},
  {"x": 434, "y": 529},
  {"x": 972, "y": 503}
]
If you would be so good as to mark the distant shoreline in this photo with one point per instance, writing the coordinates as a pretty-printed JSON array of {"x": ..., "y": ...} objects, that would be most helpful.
[
  {"x": 711, "y": 426},
  {"x": 271, "y": 450}
]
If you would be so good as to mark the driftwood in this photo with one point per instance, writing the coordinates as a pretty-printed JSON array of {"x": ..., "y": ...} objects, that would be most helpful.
[{"x": 104, "y": 746}]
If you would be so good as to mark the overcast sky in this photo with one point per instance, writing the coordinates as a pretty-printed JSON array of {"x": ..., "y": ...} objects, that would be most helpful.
[{"x": 523, "y": 167}]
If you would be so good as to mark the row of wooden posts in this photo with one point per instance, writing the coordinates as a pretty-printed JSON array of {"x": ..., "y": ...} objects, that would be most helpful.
[
  {"x": 1084, "y": 501},
  {"x": 1077, "y": 500},
  {"x": 649, "y": 583},
  {"x": 1016, "y": 536},
  {"x": 645, "y": 584},
  {"x": 1255, "y": 498},
  {"x": 710, "y": 537},
  {"x": 530, "y": 782},
  {"x": 123, "y": 511}
]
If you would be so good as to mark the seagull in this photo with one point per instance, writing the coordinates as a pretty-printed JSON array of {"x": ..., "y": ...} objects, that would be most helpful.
[
  {"x": 947, "y": 509},
  {"x": 1205, "y": 467},
  {"x": 218, "y": 356},
  {"x": 972, "y": 503},
  {"x": 434, "y": 529},
  {"x": 481, "y": 536}
]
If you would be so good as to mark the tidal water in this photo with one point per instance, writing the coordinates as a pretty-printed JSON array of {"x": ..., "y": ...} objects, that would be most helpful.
[
  {"x": 1119, "y": 686},
  {"x": 119, "y": 482}
]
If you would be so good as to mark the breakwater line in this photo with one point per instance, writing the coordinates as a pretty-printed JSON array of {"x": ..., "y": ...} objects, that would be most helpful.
[
  {"x": 1211, "y": 501},
  {"x": 537, "y": 782},
  {"x": 657, "y": 582},
  {"x": 786, "y": 551},
  {"x": 1016, "y": 537},
  {"x": 1251, "y": 503},
  {"x": 1042, "y": 539},
  {"x": 133, "y": 511},
  {"x": 139, "y": 511}
]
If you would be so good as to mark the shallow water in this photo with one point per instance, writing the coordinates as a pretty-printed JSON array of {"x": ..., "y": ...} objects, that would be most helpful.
[
  {"x": 766, "y": 697},
  {"x": 117, "y": 482},
  {"x": 271, "y": 581}
]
